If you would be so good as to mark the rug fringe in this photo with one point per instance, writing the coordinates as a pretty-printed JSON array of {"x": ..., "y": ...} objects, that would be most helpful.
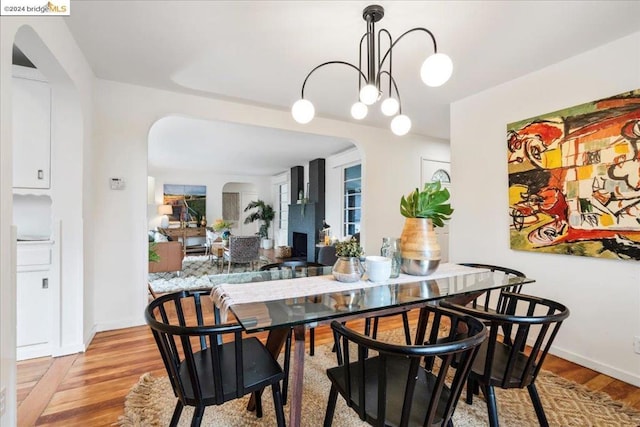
[{"x": 139, "y": 410}]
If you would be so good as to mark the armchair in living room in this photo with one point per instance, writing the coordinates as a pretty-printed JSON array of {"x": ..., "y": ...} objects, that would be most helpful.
[{"x": 242, "y": 249}]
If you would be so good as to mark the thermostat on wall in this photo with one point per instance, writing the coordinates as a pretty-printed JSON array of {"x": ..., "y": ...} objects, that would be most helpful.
[{"x": 116, "y": 183}]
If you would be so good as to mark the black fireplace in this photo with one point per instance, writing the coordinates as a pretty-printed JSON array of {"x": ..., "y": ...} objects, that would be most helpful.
[
  {"x": 306, "y": 219},
  {"x": 299, "y": 246}
]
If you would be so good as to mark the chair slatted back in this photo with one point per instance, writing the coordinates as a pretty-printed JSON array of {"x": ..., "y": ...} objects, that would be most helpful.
[
  {"x": 297, "y": 266},
  {"x": 418, "y": 365},
  {"x": 519, "y": 339},
  {"x": 485, "y": 301},
  {"x": 193, "y": 347}
]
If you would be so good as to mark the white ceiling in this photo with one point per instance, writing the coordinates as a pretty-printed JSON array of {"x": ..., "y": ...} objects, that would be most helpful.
[
  {"x": 231, "y": 148},
  {"x": 259, "y": 52}
]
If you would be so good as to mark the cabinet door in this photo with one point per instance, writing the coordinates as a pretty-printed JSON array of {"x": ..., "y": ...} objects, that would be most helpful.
[
  {"x": 31, "y": 102},
  {"x": 33, "y": 309}
]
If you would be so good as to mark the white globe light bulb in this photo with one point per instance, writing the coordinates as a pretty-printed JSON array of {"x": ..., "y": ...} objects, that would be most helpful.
[
  {"x": 389, "y": 106},
  {"x": 400, "y": 125},
  {"x": 359, "y": 111},
  {"x": 436, "y": 70},
  {"x": 303, "y": 111},
  {"x": 369, "y": 94}
]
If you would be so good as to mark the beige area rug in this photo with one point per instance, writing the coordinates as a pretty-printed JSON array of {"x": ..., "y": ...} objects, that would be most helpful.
[{"x": 151, "y": 403}]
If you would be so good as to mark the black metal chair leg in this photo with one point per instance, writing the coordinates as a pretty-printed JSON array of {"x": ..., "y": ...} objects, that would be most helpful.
[
  {"x": 312, "y": 341},
  {"x": 258, "y": 399},
  {"x": 198, "y": 413},
  {"x": 537, "y": 405},
  {"x": 470, "y": 390},
  {"x": 277, "y": 400},
  {"x": 287, "y": 364},
  {"x": 176, "y": 414},
  {"x": 331, "y": 407},
  {"x": 492, "y": 406}
]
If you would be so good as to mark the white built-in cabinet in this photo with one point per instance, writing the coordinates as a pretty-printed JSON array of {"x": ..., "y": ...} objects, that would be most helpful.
[
  {"x": 31, "y": 100},
  {"x": 34, "y": 299},
  {"x": 37, "y": 291}
]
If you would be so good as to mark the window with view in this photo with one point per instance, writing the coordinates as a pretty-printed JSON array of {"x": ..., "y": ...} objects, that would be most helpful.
[{"x": 352, "y": 193}]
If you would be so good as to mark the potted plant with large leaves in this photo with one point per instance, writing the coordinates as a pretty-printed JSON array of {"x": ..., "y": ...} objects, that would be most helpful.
[
  {"x": 265, "y": 213},
  {"x": 348, "y": 267},
  {"x": 423, "y": 210}
]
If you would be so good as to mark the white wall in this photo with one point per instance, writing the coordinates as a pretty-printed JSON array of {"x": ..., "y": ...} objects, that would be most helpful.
[
  {"x": 603, "y": 295},
  {"x": 50, "y": 46}
]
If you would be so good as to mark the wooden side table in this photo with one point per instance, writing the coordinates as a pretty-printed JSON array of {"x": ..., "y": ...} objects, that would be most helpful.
[{"x": 183, "y": 233}]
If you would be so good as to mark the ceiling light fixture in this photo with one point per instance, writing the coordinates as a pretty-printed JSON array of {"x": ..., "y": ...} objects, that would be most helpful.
[{"x": 435, "y": 71}]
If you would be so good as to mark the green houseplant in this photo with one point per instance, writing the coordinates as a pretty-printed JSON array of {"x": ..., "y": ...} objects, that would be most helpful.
[
  {"x": 348, "y": 267},
  {"x": 423, "y": 210},
  {"x": 153, "y": 255},
  {"x": 265, "y": 213},
  {"x": 430, "y": 203},
  {"x": 350, "y": 248}
]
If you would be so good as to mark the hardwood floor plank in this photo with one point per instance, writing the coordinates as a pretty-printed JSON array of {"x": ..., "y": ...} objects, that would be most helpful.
[{"x": 38, "y": 399}]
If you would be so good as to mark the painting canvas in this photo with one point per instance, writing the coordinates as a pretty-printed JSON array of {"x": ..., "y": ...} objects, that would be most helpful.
[
  {"x": 574, "y": 180},
  {"x": 188, "y": 202}
]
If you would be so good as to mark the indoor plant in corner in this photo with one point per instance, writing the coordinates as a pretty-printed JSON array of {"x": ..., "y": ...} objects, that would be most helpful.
[
  {"x": 423, "y": 210},
  {"x": 348, "y": 267},
  {"x": 265, "y": 213}
]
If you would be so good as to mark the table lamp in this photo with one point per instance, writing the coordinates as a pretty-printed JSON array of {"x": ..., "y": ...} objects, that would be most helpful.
[{"x": 165, "y": 211}]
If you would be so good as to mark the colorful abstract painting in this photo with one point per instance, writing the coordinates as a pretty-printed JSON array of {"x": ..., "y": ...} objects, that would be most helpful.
[
  {"x": 574, "y": 180},
  {"x": 188, "y": 202}
]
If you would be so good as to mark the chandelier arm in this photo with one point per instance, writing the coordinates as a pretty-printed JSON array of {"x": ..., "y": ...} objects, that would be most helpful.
[
  {"x": 395, "y": 86},
  {"x": 364, "y": 36},
  {"x": 328, "y": 63},
  {"x": 384, "y": 30},
  {"x": 435, "y": 46}
]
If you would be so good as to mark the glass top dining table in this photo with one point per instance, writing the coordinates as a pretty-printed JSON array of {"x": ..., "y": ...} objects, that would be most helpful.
[
  {"x": 264, "y": 300},
  {"x": 276, "y": 301}
]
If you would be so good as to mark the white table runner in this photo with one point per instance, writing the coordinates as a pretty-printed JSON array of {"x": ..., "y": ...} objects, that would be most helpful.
[{"x": 226, "y": 294}]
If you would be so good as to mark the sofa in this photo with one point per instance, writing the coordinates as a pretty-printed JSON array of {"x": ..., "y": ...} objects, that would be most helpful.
[{"x": 170, "y": 254}]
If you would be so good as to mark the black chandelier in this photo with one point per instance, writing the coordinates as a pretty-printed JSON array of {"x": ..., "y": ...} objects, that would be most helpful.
[{"x": 435, "y": 71}]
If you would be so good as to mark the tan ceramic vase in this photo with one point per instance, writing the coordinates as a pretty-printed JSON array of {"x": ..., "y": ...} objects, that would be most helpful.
[{"x": 419, "y": 247}]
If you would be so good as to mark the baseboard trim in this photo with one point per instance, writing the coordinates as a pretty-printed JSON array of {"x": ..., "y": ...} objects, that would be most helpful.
[
  {"x": 616, "y": 373},
  {"x": 120, "y": 324},
  {"x": 67, "y": 350}
]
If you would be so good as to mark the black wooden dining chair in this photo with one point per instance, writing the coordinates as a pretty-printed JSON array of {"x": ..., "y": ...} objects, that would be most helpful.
[
  {"x": 487, "y": 301},
  {"x": 202, "y": 369},
  {"x": 520, "y": 336},
  {"x": 405, "y": 385}
]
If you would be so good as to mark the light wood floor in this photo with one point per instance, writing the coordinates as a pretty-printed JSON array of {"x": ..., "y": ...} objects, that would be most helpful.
[{"x": 88, "y": 389}]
